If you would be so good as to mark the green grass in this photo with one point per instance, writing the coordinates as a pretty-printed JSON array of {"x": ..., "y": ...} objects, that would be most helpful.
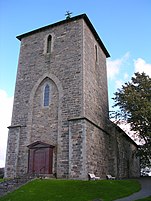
[
  {"x": 145, "y": 199},
  {"x": 1, "y": 180},
  {"x": 71, "y": 190}
]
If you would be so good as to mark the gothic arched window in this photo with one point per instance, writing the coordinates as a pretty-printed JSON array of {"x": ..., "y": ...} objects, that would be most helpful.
[
  {"x": 49, "y": 43},
  {"x": 46, "y": 95}
]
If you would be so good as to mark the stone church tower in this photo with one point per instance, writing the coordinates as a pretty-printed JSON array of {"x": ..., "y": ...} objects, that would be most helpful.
[{"x": 60, "y": 114}]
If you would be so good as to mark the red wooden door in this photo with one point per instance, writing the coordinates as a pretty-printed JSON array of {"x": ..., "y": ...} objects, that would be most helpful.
[
  {"x": 40, "y": 158},
  {"x": 39, "y": 165}
]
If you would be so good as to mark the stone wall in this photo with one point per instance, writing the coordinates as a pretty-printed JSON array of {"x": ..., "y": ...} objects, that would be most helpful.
[
  {"x": 77, "y": 149},
  {"x": 95, "y": 80},
  {"x": 96, "y": 150},
  {"x": 63, "y": 67},
  {"x": 45, "y": 119},
  {"x": 88, "y": 150},
  {"x": 123, "y": 160}
]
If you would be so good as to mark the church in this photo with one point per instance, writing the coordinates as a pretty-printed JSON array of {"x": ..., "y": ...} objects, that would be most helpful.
[{"x": 60, "y": 121}]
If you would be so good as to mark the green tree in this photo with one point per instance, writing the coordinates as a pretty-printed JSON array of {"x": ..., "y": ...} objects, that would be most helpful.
[{"x": 133, "y": 101}]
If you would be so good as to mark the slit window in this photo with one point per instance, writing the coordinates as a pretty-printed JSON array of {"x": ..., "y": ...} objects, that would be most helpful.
[
  {"x": 49, "y": 43},
  {"x": 46, "y": 95},
  {"x": 96, "y": 53}
]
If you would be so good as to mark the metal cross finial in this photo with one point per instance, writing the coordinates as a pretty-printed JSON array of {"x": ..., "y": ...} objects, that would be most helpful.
[{"x": 68, "y": 14}]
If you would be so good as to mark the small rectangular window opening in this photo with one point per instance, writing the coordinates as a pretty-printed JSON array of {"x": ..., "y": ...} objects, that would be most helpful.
[
  {"x": 96, "y": 53},
  {"x": 49, "y": 42}
]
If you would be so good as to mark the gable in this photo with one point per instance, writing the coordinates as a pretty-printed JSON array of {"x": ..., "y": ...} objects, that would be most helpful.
[{"x": 39, "y": 144}]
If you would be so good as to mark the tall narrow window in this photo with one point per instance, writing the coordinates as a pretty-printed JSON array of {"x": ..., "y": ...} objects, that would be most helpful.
[
  {"x": 46, "y": 95},
  {"x": 96, "y": 53},
  {"x": 49, "y": 43}
]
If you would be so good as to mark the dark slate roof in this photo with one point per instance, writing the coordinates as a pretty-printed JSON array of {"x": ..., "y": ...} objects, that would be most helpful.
[{"x": 82, "y": 16}]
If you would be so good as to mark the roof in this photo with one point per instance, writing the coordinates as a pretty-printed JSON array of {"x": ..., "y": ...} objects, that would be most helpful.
[
  {"x": 82, "y": 16},
  {"x": 125, "y": 134}
]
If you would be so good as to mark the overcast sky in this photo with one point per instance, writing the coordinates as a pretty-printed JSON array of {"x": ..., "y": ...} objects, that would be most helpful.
[{"x": 123, "y": 26}]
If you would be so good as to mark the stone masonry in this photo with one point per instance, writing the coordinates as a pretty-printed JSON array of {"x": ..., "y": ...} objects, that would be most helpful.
[{"x": 75, "y": 124}]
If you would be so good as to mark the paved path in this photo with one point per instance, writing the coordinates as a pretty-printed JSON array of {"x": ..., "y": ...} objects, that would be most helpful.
[{"x": 144, "y": 192}]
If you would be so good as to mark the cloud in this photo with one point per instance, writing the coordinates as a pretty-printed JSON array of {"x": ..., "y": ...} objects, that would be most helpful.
[
  {"x": 6, "y": 103},
  {"x": 126, "y": 76},
  {"x": 114, "y": 66},
  {"x": 141, "y": 66},
  {"x": 118, "y": 83}
]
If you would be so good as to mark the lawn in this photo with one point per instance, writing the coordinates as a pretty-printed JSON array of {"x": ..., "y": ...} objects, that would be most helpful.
[
  {"x": 73, "y": 190},
  {"x": 145, "y": 199}
]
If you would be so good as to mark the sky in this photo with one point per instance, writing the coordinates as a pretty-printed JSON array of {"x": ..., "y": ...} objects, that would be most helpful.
[{"x": 123, "y": 26}]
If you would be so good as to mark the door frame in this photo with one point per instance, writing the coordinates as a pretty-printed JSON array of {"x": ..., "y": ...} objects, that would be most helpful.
[{"x": 48, "y": 149}]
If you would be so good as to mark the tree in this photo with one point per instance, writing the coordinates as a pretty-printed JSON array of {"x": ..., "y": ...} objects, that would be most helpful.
[{"x": 134, "y": 105}]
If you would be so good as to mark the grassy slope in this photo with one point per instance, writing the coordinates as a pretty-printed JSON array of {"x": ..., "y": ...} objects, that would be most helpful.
[
  {"x": 145, "y": 199},
  {"x": 69, "y": 190}
]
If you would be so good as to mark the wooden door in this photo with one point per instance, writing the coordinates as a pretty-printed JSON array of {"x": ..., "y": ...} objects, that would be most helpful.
[
  {"x": 39, "y": 165},
  {"x": 40, "y": 158}
]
